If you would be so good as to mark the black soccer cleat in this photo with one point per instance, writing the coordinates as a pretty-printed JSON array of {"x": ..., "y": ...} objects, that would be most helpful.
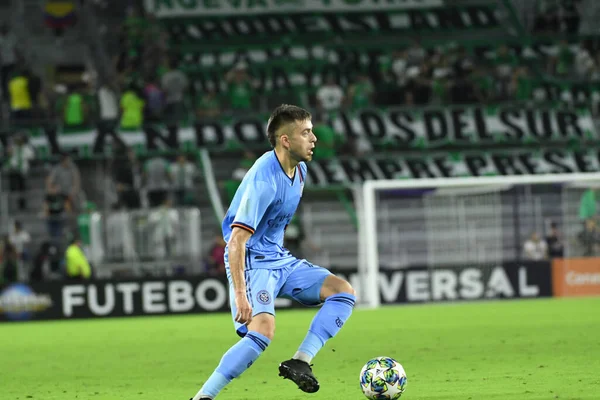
[
  {"x": 300, "y": 373},
  {"x": 202, "y": 398}
]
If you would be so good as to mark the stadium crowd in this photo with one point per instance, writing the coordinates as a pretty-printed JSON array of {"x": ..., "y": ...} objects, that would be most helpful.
[{"x": 157, "y": 84}]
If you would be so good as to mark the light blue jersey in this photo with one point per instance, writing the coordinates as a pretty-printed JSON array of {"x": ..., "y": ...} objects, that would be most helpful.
[{"x": 264, "y": 204}]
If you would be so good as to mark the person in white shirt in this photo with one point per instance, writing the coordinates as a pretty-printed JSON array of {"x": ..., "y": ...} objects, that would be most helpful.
[
  {"x": 183, "y": 173},
  {"x": 330, "y": 97},
  {"x": 535, "y": 248},
  {"x": 120, "y": 239},
  {"x": 20, "y": 239},
  {"x": 165, "y": 224},
  {"x": 108, "y": 107},
  {"x": 20, "y": 155},
  {"x": 157, "y": 180}
]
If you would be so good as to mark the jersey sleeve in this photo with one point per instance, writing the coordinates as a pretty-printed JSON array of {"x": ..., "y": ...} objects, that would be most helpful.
[{"x": 256, "y": 199}]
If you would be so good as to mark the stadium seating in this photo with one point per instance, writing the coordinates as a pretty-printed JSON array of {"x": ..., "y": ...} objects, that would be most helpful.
[{"x": 288, "y": 58}]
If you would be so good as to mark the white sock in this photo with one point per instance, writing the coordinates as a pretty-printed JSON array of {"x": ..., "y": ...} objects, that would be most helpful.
[
  {"x": 302, "y": 357},
  {"x": 200, "y": 396}
]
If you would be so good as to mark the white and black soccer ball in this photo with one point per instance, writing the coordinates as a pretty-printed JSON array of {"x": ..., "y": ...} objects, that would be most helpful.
[{"x": 383, "y": 378}]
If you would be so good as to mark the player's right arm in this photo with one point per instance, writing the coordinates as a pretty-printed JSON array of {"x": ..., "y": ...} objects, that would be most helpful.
[
  {"x": 255, "y": 201},
  {"x": 237, "y": 255}
]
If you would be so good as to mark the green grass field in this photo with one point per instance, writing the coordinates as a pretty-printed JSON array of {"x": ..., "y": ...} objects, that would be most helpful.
[{"x": 522, "y": 350}]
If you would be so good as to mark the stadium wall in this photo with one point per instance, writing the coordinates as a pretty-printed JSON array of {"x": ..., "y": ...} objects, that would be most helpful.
[{"x": 197, "y": 295}]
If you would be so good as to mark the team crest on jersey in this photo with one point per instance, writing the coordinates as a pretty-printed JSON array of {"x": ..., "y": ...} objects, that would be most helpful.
[{"x": 263, "y": 297}]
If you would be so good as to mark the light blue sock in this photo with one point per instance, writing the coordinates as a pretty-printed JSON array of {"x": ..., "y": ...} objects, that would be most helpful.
[
  {"x": 237, "y": 359},
  {"x": 326, "y": 324}
]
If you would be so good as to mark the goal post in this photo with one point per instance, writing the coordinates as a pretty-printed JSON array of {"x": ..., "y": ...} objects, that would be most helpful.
[{"x": 463, "y": 220}]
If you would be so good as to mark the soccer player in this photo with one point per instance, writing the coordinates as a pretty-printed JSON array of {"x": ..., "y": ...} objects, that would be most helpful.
[{"x": 259, "y": 269}]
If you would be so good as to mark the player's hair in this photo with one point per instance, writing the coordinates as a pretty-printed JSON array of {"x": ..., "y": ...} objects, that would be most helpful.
[{"x": 283, "y": 115}]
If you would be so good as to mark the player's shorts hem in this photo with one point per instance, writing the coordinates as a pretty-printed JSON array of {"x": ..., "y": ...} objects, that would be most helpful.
[
  {"x": 243, "y": 330},
  {"x": 243, "y": 226},
  {"x": 263, "y": 312}
]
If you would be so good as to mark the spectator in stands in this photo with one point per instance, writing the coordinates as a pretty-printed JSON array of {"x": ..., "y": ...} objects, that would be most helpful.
[
  {"x": 240, "y": 88},
  {"x": 588, "y": 205},
  {"x": 174, "y": 84},
  {"x": 108, "y": 108},
  {"x": 66, "y": 179},
  {"x": 132, "y": 109},
  {"x": 165, "y": 224},
  {"x": 154, "y": 101},
  {"x": 415, "y": 54},
  {"x": 55, "y": 209},
  {"x": 583, "y": 64},
  {"x": 208, "y": 105},
  {"x": 504, "y": 62},
  {"x": 554, "y": 241},
  {"x": 589, "y": 238},
  {"x": 20, "y": 238},
  {"x": 123, "y": 170},
  {"x": 522, "y": 85},
  {"x": 20, "y": 155},
  {"x": 330, "y": 97},
  {"x": 119, "y": 237},
  {"x": 84, "y": 226},
  {"x": 183, "y": 173},
  {"x": 328, "y": 139},
  {"x": 392, "y": 77},
  {"x": 360, "y": 94},
  {"x": 77, "y": 265},
  {"x": 418, "y": 86},
  {"x": 215, "y": 264},
  {"x": 442, "y": 82},
  {"x": 483, "y": 85},
  {"x": 9, "y": 261},
  {"x": 8, "y": 57},
  {"x": 399, "y": 66},
  {"x": 156, "y": 180},
  {"x": 45, "y": 263},
  {"x": 563, "y": 60},
  {"x": 75, "y": 109},
  {"x": 462, "y": 63},
  {"x": 35, "y": 90},
  {"x": 535, "y": 248},
  {"x": 20, "y": 97}
]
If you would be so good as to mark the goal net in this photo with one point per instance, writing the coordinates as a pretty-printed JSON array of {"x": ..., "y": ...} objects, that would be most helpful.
[{"x": 444, "y": 239}]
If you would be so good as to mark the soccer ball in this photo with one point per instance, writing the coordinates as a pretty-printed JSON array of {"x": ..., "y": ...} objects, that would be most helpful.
[{"x": 383, "y": 378}]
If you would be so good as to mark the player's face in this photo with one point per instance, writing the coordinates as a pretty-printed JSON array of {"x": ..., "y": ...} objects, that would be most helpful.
[{"x": 302, "y": 141}]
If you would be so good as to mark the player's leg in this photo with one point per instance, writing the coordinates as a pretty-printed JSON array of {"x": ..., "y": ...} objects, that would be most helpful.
[
  {"x": 311, "y": 285},
  {"x": 255, "y": 337},
  {"x": 339, "y": 298}
]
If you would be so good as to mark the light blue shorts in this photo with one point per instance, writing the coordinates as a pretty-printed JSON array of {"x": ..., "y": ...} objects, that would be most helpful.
[{"x": 301, "y": 282}]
